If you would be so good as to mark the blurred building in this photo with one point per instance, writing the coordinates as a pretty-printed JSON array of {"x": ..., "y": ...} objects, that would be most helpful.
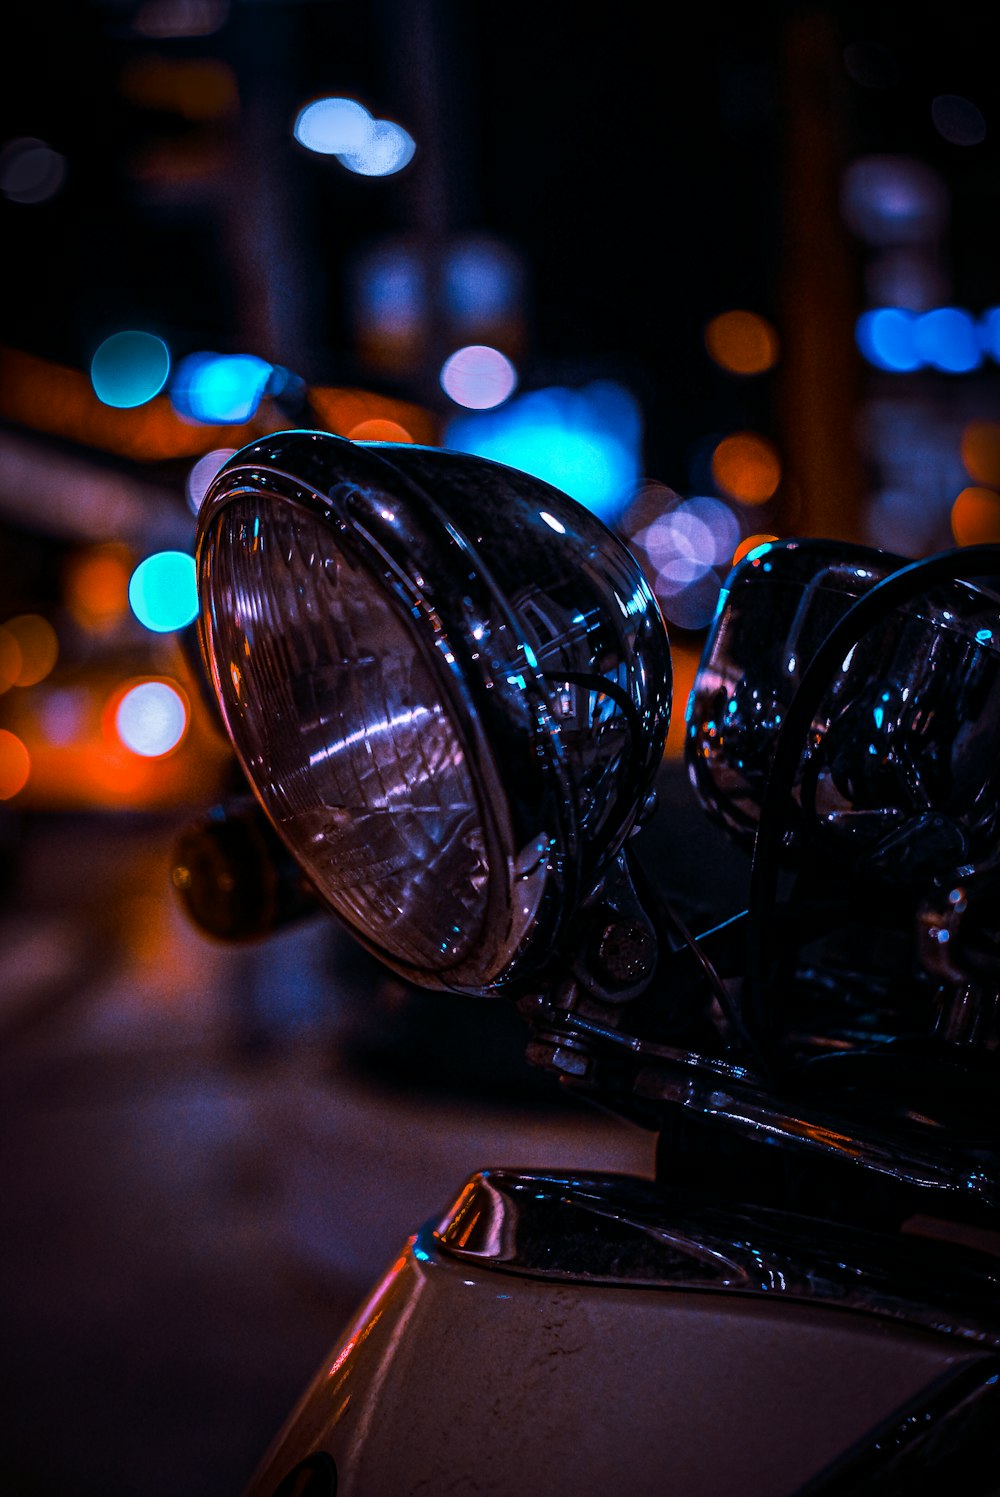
[{"x": 746, "y": 259}]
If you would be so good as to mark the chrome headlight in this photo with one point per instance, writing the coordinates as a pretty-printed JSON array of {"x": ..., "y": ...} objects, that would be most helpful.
[
  {"x": 897, "y": 759},
  {"x": 447, "y": 683}
]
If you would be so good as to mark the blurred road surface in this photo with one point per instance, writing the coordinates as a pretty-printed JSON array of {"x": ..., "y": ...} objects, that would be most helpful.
[{"x": 199, "y": 1177}]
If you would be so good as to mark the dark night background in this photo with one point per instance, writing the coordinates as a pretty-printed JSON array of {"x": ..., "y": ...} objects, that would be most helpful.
[{"x": 199, "y": 1176}]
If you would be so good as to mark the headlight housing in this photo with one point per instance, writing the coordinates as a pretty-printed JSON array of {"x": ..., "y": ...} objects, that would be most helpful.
[{"x": 447, "y": 683}]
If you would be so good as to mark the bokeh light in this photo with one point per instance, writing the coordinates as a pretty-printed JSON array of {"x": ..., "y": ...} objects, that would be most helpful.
[
  {"x": 980, "y": 449},
  {"x": 689, "y": 602},
  {"x": 742, "y": 342},
  {"x": 584, "y": 441},
  {"x": 219, "y": 389},
  {"x": 482, "y": 284},
  {"x": 343, "y": 127},
  {"x": 152, "y": 718},
  {"x": 176, "y": 18},
  {"x": 196, "y": 88},
  {"x": 331, "y": 126},
  {"x": 975, "y": 517},
  {"x": 896, "y": 339},
  {"x": 746, "y": 466},
  {"x": 129, "y": 368},
  {"x": 893, "y": 200},
  {"x": 379, "y": 429},
  {"x": 958, "y": 120},
  {"x": 989, "y": 333},
  {"x": 947, "y": 338},
  {"x": 15, "y": 764},
  {"x": 63, "y": 714},
  {"x": 201, "y": 474},
  {"x": 95, "y": 585},
  {"x": 701, "y": 530},
  {"x": 885, "y": 336},
  {"x": 387, "y": 150},
  {"x": 30, "y": 170},
  {"x": 163, "y": 591},
  {"x": 10, "y": 659},
  {"x": 478, "y": 377},
  {"x": 681, "y": 544},
  {"x": 37, "y": 647}
]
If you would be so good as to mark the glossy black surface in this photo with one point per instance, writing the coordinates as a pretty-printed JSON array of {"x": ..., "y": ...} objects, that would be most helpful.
[{"x": 899, "y": 761}]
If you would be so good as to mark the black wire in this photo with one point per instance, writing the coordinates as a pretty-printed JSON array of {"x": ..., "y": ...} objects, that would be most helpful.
[
  {"x": 898, "y": 587},
  {"x": 665, "y": 916}
]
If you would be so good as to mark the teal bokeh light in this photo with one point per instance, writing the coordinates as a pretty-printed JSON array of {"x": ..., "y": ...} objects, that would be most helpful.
[
  {"x": 586, "y": 441},
  {"x": 221, "y": 389},
  {"x": 129, "y": 368},
  {"x": 163, "y": 592}
]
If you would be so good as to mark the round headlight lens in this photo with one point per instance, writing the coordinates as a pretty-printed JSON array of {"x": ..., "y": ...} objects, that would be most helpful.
[
  {"x": 448, "y": 686},
  {"x": 342, "y": 728}
]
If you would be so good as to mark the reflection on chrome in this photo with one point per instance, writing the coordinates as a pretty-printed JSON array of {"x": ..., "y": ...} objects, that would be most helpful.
[{"x": 351, "y": 740}]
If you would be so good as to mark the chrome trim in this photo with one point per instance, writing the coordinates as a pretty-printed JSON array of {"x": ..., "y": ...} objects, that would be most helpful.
[
  {"x": 901, "y": 747},
  {"x": 622, "y": 1230},
  {"x": 545, "y": 639}
]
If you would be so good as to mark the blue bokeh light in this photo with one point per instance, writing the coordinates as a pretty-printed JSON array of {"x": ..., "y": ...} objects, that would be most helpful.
[
  {"x": 129, "y": 368},
  {"x": 482, "y": 282},
  {"x": 885, "y": 336},
  {"x": 387, "y": 149},
  {"x": 332, "y": 125},
  {"x": 163, "y": 591},
  {"x": 947, "y": 339},
  {"x": 344, "y": 128},
  {"x": 989, "y": 333},
  {"x": 584, "y": 441},
  {"x": 219, "y": 389}
]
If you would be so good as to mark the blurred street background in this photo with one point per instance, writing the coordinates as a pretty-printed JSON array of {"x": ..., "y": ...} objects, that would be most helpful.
[{"x": 721, "y": 275}]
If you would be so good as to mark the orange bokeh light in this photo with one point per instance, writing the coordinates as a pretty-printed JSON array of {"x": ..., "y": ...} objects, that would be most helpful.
[
  {"x": 10, "y": 659},
  {"x": 746, "y": 467},
  {"x": 201, "y": 88},
  {"x": 96, "y": 583},
  {"x": 51, "y": 397},
  {"x": 975, "y": 517},
  {"x": 742, "y": 342},
  {"x": 379, "y": 430},
  {"x": 750, "y": 544},
  {"x": 37, "y": 645},
  {"x": 344, "y": 410},
  {"x": 981, "y": 452},
  {"x": 15, "y": 764}
]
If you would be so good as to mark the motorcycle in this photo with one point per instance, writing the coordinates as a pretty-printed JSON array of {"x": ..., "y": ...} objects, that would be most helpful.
[{"x": 448, "y": 686}]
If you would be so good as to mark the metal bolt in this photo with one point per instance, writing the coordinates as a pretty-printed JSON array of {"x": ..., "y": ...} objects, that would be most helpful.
[{"x": 626, "y": 951}]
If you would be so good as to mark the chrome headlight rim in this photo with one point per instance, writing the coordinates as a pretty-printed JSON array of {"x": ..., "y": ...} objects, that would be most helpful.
[{"x": 414, "y": 554}]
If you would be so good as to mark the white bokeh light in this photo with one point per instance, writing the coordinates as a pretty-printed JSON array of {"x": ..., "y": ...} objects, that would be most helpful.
[
  {"x": 202, "y": 473},
  {"x": 478, "y": 377},
  {"x": 151, "y": 718}
]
